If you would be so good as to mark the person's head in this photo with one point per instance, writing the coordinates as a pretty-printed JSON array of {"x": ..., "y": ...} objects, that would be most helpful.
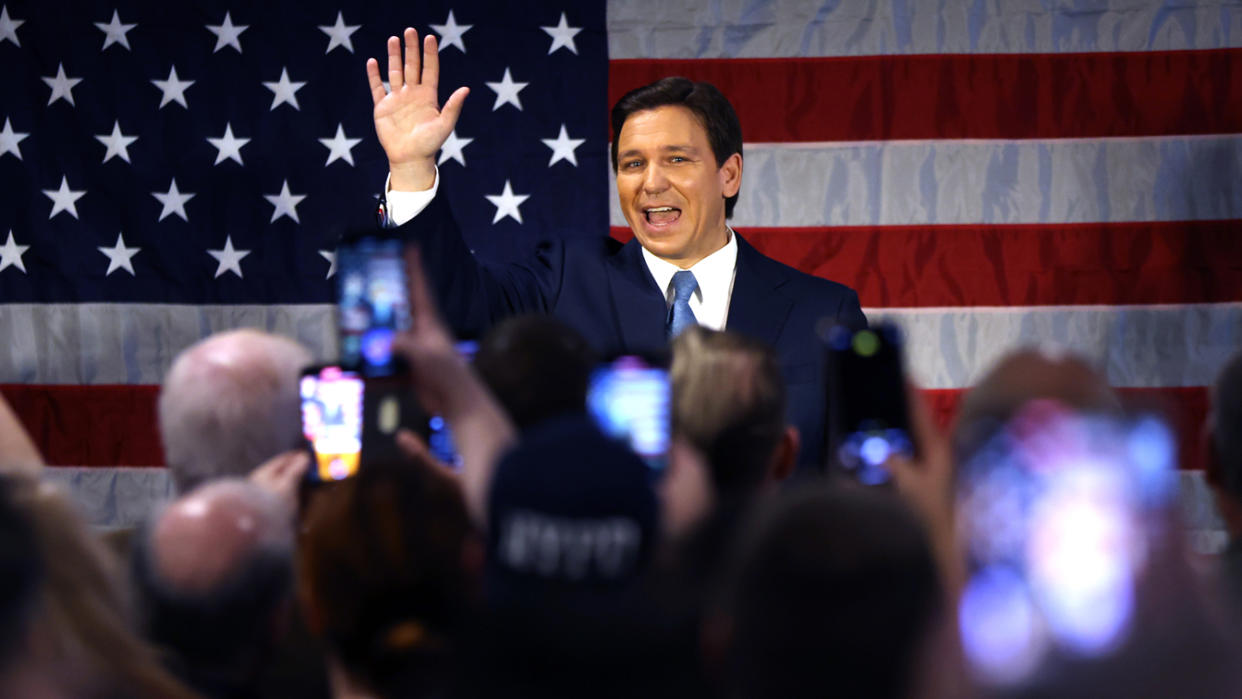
[
  {"x": 677, "y": 154},
  {"x": 537, "y": 367},
  {"x": 82, "y": 630},
  {"x": 834, "y": 591},
  {"x": 21, "y": 580},
  {"x": 1021, "y": 377},
  {"x": 229, "y": 403},
  {"x": 384, "y": 575},
  {"x": 214, "y": 572},
  {"x": 729, "y": 402}
]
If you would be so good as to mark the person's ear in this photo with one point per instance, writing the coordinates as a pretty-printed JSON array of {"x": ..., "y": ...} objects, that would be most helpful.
[
  {"x": 730, "y": 174},
  {"x": 785, "y": 458}
]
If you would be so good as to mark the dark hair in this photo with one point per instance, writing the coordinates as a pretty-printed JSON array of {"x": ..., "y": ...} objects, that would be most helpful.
[
  {"x": 221, "y": 636},
  {"x": 729, "y": 401},
  {"x": 537, "y": 367},
  {"x": 834, "y": 591},
  {"x": 380, "y": 561},
  {"x": 1227, "y": 426},
  {"x": 21, "y": 575},
  {"x": 709, "y": 106}
]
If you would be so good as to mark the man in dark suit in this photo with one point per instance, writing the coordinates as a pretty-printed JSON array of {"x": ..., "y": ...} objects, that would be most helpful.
[{"x": 677, "y": 152}]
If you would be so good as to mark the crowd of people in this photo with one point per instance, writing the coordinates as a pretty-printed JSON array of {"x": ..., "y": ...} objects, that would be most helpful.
[{"x": 552, "y": 561}]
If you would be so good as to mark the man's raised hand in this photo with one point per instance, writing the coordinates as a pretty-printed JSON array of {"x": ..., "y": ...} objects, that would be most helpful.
[{"x": 409, "y": 121}]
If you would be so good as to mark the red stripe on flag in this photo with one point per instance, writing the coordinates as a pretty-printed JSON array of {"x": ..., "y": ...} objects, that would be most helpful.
[
  {"x": 116, "y": 425},
  {"x": 1061, "y": 95},
  {"x": 1018, "y": 264},
  {"x": 103, "y": 425}
]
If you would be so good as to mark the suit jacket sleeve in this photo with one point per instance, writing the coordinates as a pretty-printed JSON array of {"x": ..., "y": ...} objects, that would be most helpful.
[
  {"x": 850, "y": 314},
  {"x": 474, "y": 295}
]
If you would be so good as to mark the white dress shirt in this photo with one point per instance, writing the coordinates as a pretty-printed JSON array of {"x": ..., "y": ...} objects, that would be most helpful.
[{"x": 714, "y": 273}]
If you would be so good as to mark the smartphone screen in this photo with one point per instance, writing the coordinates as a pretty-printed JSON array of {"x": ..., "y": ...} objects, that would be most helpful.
[
  {"x": 332, "y": 421},
  {"x": 373, "y": 303},
  {"x": 630, "y": 399},
  {"x": 868, "y": 416}
]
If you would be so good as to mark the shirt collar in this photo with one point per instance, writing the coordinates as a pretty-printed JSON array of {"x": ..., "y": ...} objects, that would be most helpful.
[{"x": 714, "y": 273}]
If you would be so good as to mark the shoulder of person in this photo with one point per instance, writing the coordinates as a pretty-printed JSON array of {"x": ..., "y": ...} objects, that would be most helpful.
[{"x": 800, "y": 283}]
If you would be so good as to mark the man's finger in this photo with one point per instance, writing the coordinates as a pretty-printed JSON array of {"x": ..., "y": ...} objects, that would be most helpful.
[
  {"x": 452, "y": 107},
  {"x": 377, "y": 84},
  {"x": 412, "y": 58},
  {"x": 395, "y": 78},
  {"x": 431, "y": 62}
]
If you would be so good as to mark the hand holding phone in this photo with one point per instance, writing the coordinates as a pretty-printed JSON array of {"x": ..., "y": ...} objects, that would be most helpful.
[{"x": 868, "y": 412}]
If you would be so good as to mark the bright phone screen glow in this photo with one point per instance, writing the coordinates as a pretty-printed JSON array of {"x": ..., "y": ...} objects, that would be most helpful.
[
  {"x": 332, "y": 421},
  {"x": 630, "y": 401},
  {"x": 374, "y": 305}
]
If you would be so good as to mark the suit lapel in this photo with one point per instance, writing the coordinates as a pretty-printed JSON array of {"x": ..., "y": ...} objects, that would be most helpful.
[
  {"x": 756, "y": 308},
  {"x": 639, "y": 304}
]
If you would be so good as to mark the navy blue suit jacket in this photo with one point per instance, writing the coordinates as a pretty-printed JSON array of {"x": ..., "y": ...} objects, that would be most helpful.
[{"x": 604, "y": 289}]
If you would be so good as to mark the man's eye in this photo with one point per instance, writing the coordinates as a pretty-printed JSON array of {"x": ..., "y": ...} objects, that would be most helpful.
[
  {"x": 677, "y": 159},
  {"x": 631, "y": 164}
]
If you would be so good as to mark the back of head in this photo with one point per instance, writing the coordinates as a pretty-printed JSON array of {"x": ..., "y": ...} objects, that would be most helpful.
[
  {"x": 711, "y": 108},
  {"x": 381, "y": 575},
  {"x": 1021, "y": 377},
  {"x": 228, "y": 404},
  {"x": 537, "y": 367},
  {"x": 214, "y": 572},
  {"x": 84, "y": 615},
  {"x": 729, "y": 401},
  {"x": 1226, "y": 427},
  {"x": 21, "y": 578},
  {"x": 833, "y": 593}
]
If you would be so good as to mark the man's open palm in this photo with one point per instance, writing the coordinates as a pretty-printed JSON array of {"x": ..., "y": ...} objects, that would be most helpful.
[{"x": 409, "y": 122}]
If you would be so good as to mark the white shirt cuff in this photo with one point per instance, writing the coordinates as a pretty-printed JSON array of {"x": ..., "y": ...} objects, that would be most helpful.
[{"x": 403, "y": 206}]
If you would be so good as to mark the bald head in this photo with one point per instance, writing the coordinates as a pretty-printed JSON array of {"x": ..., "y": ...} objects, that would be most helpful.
[
  {"x": 1030, "y": 374},
  {"x": 228, "y": 404},
  {"x": 214, "y": 573},
  {"x": 206, "y": 537}
]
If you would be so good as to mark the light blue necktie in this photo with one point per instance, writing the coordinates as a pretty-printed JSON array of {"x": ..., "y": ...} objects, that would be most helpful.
[{"x": 680, "y": 316}]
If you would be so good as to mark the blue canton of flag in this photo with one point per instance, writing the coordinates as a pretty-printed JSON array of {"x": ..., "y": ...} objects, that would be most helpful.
[{"x": 153, "y": 152}]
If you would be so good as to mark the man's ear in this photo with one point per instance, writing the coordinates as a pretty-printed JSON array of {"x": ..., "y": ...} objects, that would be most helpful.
[
  {"x": 785, "y": 458},
  {"x": 730, "y": 174}
]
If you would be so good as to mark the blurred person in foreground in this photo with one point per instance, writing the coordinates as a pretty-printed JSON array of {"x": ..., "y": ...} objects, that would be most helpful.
[
  {"x": 228, "y": 404},
  {"x": 214, "y": 572},
  {"x": 1224, "y": 468},
  {"x": 386, "y": 576},
  {"x": 1078, "y": 583},
  {"x": 79, "y": 637},
  {"x": 570, "y": 521},
  {"x": 833, "y": 591}
]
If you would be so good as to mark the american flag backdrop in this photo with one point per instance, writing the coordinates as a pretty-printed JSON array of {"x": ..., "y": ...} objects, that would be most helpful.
[{"x": 986, "y": 174}]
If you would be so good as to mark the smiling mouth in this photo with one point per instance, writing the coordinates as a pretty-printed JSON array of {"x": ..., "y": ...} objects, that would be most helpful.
[{"x": 662, "y": 215}]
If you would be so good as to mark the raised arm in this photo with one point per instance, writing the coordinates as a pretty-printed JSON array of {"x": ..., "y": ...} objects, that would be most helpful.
[
  {"x": 409, "y": 122},
  {"x": 17, "y": 449}
]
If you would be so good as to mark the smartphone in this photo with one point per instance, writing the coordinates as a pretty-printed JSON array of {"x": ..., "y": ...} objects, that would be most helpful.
[
  {"x": 1058, "y": 517},
  {"x": 868, "y": 413},
  {"x": 373, "y": 302},
  {"x": 631, "y": 400},
  {"x": 332, "y": 409}
]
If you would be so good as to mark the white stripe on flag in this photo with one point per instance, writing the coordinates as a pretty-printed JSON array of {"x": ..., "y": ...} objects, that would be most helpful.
[
  {"x": 1171, "y": 178},
  {"x": 1139, "y": 346},
  {"x": 795, "y": 28},
  {"x": 1136, "y": 346}
]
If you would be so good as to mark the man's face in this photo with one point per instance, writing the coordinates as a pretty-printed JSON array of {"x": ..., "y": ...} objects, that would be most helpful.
[{"x": 671, "y": 191}]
